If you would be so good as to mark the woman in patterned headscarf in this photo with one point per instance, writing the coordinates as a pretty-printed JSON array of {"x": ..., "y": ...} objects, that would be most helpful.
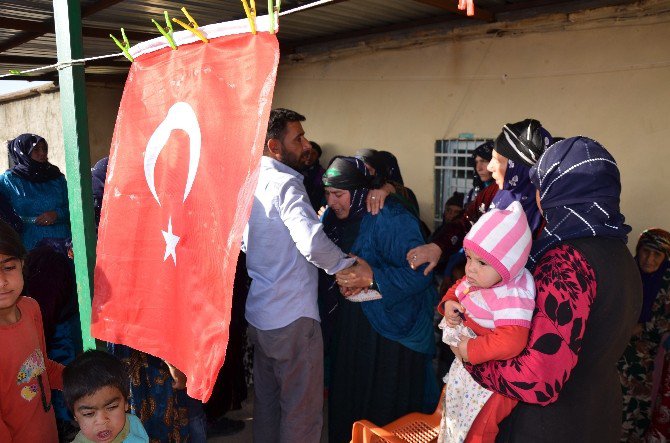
[
  {"x": 36, "y": 190},
  {"x": 639, "y": 363},
  {"x": 382, "y": 349},
  {"x": 587, "y": 303}
]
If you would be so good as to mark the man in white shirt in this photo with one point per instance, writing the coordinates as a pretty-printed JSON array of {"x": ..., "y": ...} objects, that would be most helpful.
[{"x": 285, "y": 243}]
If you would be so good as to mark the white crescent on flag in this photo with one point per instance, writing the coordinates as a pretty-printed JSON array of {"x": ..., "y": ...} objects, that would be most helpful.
[{"x": 180, "y": 116}]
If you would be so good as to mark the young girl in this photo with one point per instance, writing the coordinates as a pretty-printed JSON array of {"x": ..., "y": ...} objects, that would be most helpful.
[
  {"x": 487, "y": 316},
  {"x": 26, "y": 375}
]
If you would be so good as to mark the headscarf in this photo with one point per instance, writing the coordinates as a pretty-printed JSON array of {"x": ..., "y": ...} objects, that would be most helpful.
[
  {"x": 658, "y": 240},
  {"x": 580, "y": 188},
  {"x": 350, "y": 174},
  {"x": 390, "y": 170},
  {"x": 24, "y": 166},
  {"x": 98, "y": 176},
  {"x": 518, "y": 187},
  {"x": 522, "y": 143},
  {"x": 485, "y": 151}
]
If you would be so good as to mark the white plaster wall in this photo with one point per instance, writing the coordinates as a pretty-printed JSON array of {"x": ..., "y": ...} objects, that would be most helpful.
[
  {"x": 609, "y": 81},
  {"x": 41, "y": 115}
]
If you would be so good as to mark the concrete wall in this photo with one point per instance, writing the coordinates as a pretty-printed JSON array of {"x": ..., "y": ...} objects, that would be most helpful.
[
  {"x": 607, "y": 78},
  {"x": 39, "y": 113}
]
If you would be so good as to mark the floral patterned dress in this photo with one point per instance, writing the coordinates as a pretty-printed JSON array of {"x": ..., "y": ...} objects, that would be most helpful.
[{"x": 638, "y": 364}]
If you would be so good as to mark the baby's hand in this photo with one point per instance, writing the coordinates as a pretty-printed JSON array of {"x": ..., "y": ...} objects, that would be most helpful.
[{"x": 452, "y": 313}]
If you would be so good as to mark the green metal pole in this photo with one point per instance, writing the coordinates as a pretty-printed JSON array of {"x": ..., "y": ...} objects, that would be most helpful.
[{"x": 67, "y": 17}]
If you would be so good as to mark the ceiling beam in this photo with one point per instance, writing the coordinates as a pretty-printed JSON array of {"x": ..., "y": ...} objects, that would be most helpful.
[
  {"x": 86, "y": 31},
  {"x": 41, "y": 28},
  {"x": 451, "y": 6},
  {"x": 291, "y": 46}
]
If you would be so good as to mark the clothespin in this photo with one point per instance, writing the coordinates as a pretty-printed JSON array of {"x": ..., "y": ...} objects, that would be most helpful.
[
  {"x": 277, "y": 6},
  {"x": 271, "y": 15},
  {"x": 15, "y": 72},
  {"x": 251, "y": 14},
  {"x": 125, "y": 47},
  {"x": 167, "y": 33},
  {"x": 192, "y": 25}
]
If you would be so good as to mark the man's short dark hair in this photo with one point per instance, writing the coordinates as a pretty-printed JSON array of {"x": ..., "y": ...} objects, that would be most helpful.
[
  {"x": 90, "y": 372},
  {"x": 279, "y": 119}
]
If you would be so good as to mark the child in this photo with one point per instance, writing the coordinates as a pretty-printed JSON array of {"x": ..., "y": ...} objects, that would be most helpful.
[
  {"x": 487, "y": 316},
  {"x": 96, "y": 391},
  {"x": 27, "y": 376}
]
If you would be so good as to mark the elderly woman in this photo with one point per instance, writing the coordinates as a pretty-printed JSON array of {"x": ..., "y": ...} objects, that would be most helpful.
[
  {"x": 638, "y": 364},
  {"x": 382, "y": 348},
  {"x": 36, "y": 190},
  {"x": 587, "y": 303}
]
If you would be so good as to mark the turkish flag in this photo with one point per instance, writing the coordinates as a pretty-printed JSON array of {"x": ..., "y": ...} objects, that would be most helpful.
[{"x": 180, "y": 182}]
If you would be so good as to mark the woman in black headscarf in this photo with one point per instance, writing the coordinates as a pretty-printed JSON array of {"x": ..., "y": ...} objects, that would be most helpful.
[
  {"x": 516, "y": 150},
  {"x": 37, "y": 190},
  {"x": 382, "y": 348},
  {"x": 639, "y": 364}
]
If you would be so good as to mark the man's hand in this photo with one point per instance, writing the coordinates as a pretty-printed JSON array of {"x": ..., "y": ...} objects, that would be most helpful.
[
  {"x": 356, "y": 276},
  {"x": 429, "y": 253}
]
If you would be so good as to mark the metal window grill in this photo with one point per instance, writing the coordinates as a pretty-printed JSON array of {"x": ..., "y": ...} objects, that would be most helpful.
[{"x": 453, "y": 170}]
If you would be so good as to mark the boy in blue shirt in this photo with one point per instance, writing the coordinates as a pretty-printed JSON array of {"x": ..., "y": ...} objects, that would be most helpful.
[{"x": 96, "y": 389}]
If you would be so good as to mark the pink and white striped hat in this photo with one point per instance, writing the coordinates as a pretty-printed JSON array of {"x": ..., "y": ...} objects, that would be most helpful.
[{"x": 502, "y": 238}]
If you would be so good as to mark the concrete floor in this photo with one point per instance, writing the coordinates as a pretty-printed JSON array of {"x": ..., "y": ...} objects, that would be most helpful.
[{"x": 246, "y": 413}]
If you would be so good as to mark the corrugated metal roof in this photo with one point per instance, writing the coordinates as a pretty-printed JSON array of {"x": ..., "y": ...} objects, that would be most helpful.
[{"x": 30, "y": 23}]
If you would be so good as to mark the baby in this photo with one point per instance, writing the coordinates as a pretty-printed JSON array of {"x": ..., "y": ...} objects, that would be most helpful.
[
  {"x": 487, "y": 316},
  {"x": 96, "y": 390}
]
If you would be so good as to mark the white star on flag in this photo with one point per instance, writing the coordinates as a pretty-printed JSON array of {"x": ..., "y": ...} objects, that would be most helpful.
[{"x": 171, "y": 241}]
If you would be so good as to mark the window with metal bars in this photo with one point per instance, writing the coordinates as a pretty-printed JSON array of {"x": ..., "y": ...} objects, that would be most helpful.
[{"x": 453, "y": 170}]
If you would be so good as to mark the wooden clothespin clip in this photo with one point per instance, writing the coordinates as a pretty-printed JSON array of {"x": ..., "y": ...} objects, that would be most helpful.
[
  {"x": 191, "y": 27},
  {"x": 168, "y": 31},
  {"x": 125, "y": 47},
  {"x": 250, "y": 11}
]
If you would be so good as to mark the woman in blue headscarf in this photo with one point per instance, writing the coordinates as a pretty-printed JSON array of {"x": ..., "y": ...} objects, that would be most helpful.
[
  {"x": 382, "y": 348},
  {"x": 37, "y": 190},
  {"x": 588, "y": 300}
]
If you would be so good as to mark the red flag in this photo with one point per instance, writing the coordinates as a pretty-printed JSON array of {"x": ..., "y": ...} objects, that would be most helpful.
[{"x": 180, "y": 183}]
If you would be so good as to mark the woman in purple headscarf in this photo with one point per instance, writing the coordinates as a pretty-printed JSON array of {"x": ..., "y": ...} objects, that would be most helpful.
[
  {"x": 37, "y": 190},
  {"x": 587, "y": 303}
]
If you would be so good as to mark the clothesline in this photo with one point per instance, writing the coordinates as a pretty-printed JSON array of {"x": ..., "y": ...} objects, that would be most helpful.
[{"x": 66, "y": 64}]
